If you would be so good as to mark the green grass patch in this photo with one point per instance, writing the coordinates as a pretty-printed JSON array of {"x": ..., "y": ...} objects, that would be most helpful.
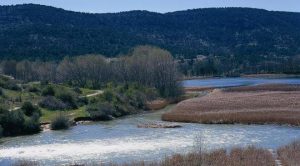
[{"x": 48, "y": 116}]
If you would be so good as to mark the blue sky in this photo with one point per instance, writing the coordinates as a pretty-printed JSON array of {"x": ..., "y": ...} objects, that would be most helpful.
[{"x": 103, "y": 6}]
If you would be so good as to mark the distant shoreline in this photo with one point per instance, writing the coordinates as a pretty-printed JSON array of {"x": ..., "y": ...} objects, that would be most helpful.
[{"x": 243, "y": 76}]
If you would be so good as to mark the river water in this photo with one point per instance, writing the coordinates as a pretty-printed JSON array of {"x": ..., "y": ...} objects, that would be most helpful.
[
  {"x": 239, "y": 81},
  {"x": 122, "y": 141}
]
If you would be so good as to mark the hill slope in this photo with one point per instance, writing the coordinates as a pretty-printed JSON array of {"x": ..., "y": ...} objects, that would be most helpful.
[{"x": 36, "y": 31}]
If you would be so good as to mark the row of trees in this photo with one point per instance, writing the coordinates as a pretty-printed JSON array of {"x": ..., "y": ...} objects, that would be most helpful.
[
  {"x": 234, "y": 66},
  {"x": 146, "y": 65}
]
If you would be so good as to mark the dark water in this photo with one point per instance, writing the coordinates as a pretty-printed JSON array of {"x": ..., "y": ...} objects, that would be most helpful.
[
  {"x": 239, "y": 81},
  {"x": 121, "y": 140}
]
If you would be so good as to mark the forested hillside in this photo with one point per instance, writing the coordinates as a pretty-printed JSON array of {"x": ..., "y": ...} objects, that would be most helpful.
[{"x": 35, "y": 31}]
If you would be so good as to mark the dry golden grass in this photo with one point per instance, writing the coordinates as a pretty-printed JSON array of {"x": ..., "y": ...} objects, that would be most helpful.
[
  {"x": 265, "y": 87},
  {"x": 237, "y": 157},
  {"x": 250, "y": 156},
  {"x": 259, "y": 107},
  {"x": 157, "y": 104},
  {"x": 290, "y": 154},
  {"x": 193, "y": 89}
]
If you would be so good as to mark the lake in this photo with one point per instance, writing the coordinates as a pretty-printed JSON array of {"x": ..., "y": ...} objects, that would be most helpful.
[
  {"x": 238, "y": 81},
  {"x": 122, "y": 141}
]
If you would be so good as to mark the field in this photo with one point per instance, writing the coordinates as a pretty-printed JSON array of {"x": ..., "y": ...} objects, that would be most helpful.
[{"x": 262, "y": 104}]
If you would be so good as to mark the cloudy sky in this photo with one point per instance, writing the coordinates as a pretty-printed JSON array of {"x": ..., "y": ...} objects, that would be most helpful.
[{"x": 103, "y": 6}]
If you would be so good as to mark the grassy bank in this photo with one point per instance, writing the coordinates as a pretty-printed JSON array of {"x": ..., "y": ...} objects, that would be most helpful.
[
  {"x": 74, "y": 103},
  {"x": 277, "y": 104}
]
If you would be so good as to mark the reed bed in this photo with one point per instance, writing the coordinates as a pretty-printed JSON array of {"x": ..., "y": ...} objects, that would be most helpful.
[
  {"x": 227, "y": 107},
  {"x": 265, "y": 87},
  {"x": 198, "y": 89},
  {"x": 237, "y": 157},
  {"x": 290, "y": 154},
  {"x": 157, "y": 104}
]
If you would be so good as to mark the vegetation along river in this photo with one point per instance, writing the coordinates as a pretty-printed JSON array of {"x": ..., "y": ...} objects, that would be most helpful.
[{"x": 121, "y": 140}]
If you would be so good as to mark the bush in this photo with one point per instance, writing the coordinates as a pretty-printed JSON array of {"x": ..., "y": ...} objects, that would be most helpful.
[
  {"x": 52, "y": 103},
  {"x": 60, "y": 122},
  {"x": 16, "y": 123},
  {"x": 32, "y": 125},
  {"x": 82, "y": 101},
  {"x": 77, "y": 90},
  {"x": 101, "y": 111},
  {"x": 1, "y": 131},
  {"x": 13, "y": 86},
  {"x": 48, "y": 91},
  {"x": 67, "y": 98},
  {"x": 33, "y": 89},
  {"x": 3, "y": 113},
  {"x": 30, "y": 109},
  {"x": 137, "y": 99},
  {"x": 1, "y": 92},
  {"x": 120, "y": 100},
  {"x": 44, "y": 82},
  {"x": 13, "y": 123}
]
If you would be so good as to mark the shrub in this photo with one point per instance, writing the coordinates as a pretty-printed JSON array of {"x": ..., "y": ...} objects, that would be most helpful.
[
  {"x": 82, "y": 101},
  {"x": 3, "y": 113},
  {"x": 30, "y": 109},
  {"x": 13, "y": 86},
  {"x": 1, "y": 131},
  {"x": 108, "y": 95},
  {"x": 77, "y": 90},
  {"x": 60, "y": 122},
  {"x": 16, "y": 123},
  {"x": 67, "y": 98},
  {"x": 137, "y": 99},
  {"x": 52, "y": 103},
  {"x": 32, "y": 125},
  {"x": 13, "y": 123},
  {"x": 33, "y": 89},
  {"x": 44, "y": 82},
  {"x": 101, "y": 111},
  {"x": 1, "y": 92},
  {"x": 48, "y": 91}
]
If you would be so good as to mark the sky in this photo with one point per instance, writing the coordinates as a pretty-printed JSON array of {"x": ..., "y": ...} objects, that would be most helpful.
[{"x": 162, "y": 6}]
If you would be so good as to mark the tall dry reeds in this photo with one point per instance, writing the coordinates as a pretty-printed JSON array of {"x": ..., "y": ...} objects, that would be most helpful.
[
  {"x": 226, "y": 107},
  {"x": 290, "y": 154}
]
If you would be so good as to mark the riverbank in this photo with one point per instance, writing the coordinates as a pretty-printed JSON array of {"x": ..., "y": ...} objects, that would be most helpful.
[
  {"x": 262, "y": 104},
  {"x": 243, "y": 76}
]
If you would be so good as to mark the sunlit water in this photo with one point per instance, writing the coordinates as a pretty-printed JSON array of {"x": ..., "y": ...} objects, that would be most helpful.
[{"x": 122, "y": 141}]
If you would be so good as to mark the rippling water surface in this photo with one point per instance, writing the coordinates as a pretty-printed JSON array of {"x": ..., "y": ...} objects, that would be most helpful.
[{"x": 121, "y": 140}]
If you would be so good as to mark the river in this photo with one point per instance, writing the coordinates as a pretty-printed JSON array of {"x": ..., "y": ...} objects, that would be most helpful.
[{"x": 122, "y": 141}]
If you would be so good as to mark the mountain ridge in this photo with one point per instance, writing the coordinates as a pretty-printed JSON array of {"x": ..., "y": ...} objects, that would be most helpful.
[{"x": 38, "y": 31}]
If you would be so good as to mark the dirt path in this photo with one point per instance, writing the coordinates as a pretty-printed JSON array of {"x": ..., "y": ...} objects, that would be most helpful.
[{"x": 98, "y": 92}]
